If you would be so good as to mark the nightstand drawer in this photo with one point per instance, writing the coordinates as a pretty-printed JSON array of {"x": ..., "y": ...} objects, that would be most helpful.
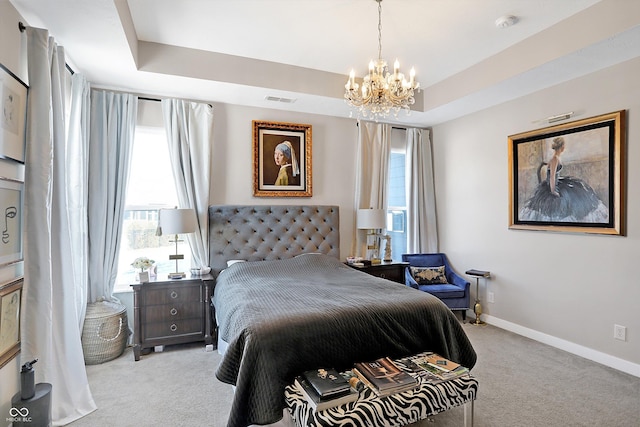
[
  {"x": 172, "y": 312},
  {"x": 172, "y": 329},
  {"x": 173, "y": 294},
  {"x": 393, "y": 271},
  {"x": 390, "y": 272}
]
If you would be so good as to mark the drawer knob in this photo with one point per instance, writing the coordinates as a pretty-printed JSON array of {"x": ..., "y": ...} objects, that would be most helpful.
[
  {"x": 173, "y": 311},
  {"x": 174, "y": 294},
  {"x": 173, "y": 327}
]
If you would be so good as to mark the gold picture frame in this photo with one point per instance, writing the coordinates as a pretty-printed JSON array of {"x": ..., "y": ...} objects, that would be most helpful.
[
  {"x": 10, "y": 305},
  {"x": 570, "y": 177},
  {"x": 281, "y": 159}
]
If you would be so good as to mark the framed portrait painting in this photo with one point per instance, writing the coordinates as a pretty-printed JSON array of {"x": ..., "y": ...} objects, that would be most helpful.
[
  {"x": 281, "y": 159},
  {"x": 13, "y": 97},
  {"x": 569, "y": 177},
  {"x": 10, "y": 302},
  {"x": 11, "y": 202}
]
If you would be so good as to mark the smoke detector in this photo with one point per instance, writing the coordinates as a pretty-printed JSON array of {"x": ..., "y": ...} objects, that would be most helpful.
[{"x": 506, "y": 21}]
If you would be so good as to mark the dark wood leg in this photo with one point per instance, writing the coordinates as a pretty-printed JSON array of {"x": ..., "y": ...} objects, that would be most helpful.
[{"x": 208, "y": 339}]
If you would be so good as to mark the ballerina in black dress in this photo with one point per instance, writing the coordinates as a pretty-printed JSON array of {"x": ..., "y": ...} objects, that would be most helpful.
[{"x": 563, "y": 198}]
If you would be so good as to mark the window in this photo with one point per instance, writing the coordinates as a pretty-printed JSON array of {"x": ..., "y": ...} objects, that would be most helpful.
[
  {"x": 397, "y": 199},
  {"x": 151, "y": 187}
]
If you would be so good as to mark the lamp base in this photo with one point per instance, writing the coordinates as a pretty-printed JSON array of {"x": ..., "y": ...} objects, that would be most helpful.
[{"x": 176, "y": 275}]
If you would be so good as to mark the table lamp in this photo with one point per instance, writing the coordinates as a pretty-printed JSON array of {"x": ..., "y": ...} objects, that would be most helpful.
[
  {"x": 177, "y": 221},
  {"x": 371, "y": 220}
]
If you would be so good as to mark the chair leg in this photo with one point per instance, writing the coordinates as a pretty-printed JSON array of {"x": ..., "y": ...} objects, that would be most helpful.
[{"x": 464, "y": 316}]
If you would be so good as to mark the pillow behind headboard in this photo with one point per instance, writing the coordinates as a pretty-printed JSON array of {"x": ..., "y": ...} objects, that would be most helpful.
[{"x": 268, "y": 232}]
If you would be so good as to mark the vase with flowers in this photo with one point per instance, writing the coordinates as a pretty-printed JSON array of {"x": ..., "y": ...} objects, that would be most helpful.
[{"x": 143, "y": 263}]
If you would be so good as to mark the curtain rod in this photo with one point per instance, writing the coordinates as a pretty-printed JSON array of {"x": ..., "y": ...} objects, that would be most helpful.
[{"x": 22, "y": 29}]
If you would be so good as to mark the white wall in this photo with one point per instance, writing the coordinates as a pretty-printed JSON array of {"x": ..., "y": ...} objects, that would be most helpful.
[
  {"x": 11, "y": 57},
  {"x": 333, "y": 152},
  {"x": 565, "y": 289}
]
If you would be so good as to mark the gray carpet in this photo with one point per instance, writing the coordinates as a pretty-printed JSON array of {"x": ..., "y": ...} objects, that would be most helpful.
[{"x": 522, "y": 383}]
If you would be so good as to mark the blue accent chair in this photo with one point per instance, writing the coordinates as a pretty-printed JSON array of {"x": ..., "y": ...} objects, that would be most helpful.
[{"x": 455, "y": 294}]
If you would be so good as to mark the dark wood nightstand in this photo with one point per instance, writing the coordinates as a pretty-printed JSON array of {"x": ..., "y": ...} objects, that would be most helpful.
[
  {"x": 169, "y": 312},
  {"x": 387, "y": 270}
]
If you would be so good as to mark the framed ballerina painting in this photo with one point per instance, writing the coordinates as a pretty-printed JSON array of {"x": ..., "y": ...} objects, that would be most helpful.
[{"x": 569, "y": 177}]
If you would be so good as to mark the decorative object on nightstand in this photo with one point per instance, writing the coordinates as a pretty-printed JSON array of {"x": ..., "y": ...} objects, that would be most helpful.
[
  {"x": 477, "y": 308},
  {"x": 143, "y": 263},
  {"x": 371, "y": 220},
  {"x": 387, "y": 248},
  {"x": 176, "y": 221}
]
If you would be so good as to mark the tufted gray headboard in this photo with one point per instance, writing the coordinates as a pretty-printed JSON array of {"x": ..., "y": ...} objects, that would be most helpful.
[{"x": 268, "y": 232}]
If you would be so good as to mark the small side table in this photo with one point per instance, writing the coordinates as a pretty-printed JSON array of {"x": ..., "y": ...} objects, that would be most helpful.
[{"x": 477, "y": 308}]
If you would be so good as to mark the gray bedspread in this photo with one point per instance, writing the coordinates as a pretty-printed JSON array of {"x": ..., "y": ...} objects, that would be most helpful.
[{"x": 283, "y": 317}]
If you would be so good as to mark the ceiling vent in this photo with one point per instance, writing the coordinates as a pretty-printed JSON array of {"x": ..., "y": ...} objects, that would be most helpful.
[{"x": 279, "y": 99}]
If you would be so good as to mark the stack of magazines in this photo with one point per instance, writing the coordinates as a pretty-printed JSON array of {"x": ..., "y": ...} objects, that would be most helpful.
[
  {"x": 434, "y": 367},
  {"x": 384, "y": 377},
  {"x": 325, "y": 388}
]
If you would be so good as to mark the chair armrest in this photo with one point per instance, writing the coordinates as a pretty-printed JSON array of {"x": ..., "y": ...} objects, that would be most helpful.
[
  {"x": 459, "y": 281},
  {"x": 408, "y": 279}
]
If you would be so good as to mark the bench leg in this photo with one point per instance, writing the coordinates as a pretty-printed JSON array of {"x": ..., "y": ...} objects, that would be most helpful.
[{"x": 468, "y": 413}]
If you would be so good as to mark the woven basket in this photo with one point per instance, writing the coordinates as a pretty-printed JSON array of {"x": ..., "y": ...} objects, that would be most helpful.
[{"x": 105, "y": 332}]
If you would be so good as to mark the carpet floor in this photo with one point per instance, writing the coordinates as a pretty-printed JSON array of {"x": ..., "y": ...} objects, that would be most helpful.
[{"x": 522, "y": 383}]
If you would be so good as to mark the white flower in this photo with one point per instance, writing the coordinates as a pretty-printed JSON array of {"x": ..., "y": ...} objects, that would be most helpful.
[{"x": 142, "y": 263}]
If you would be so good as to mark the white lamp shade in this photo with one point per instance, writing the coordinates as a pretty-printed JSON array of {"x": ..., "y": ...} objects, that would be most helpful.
[
  {"x": 371, "y": 219},
  {"x": 177, "y": 221}
]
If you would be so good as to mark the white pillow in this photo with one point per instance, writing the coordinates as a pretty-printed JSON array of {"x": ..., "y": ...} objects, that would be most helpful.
[{"x": 233, "y": 261}]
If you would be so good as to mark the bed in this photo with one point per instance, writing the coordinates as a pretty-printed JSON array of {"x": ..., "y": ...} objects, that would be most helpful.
[{"x": 293, "y": 306}]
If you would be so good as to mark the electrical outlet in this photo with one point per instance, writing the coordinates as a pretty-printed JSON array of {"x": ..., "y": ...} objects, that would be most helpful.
[
  {"x": 620, "y": 332},
  {"x": 490, "y": 297}
]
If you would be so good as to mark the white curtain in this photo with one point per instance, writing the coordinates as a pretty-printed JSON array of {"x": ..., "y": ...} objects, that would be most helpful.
[
  {"x": 189, "y": 127},
  {"x": 372, "y": 175},
  {"x": 77, "y": 189},
  {"x": 113, "y": 123},
  {"x": 422, "y": 232},
  {"x": 54, "y": 300}
]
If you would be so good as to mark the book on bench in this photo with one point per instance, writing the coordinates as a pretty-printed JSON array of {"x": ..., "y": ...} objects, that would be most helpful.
[
  {"x": 327, "y": 383},
  {"x": 434, "y": 367},
  {"x": 384, "y": 377},
  {"x": 319, "y": 404}
]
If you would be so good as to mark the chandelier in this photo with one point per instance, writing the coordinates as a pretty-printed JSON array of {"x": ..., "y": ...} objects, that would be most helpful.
[{"x": 381, "y": 91}]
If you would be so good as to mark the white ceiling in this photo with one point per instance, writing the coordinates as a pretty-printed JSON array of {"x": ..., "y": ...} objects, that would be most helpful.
[{"x": 241, "y": 51}]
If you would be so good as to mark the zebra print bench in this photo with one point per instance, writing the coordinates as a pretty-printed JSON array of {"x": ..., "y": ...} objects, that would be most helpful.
[{"x": 396, "y": 410}]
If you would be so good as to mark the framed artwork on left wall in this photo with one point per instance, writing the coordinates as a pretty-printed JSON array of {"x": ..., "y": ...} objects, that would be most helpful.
[
  {"x": 10, "y": 304},
  {"x": 281, "y": 159},
  {"x": 11, "y": 203},
  {"x": 13, "y": 99}
]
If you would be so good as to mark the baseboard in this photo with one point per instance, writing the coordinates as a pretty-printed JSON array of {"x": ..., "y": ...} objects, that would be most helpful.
[{"x": 573, "y": 348}]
